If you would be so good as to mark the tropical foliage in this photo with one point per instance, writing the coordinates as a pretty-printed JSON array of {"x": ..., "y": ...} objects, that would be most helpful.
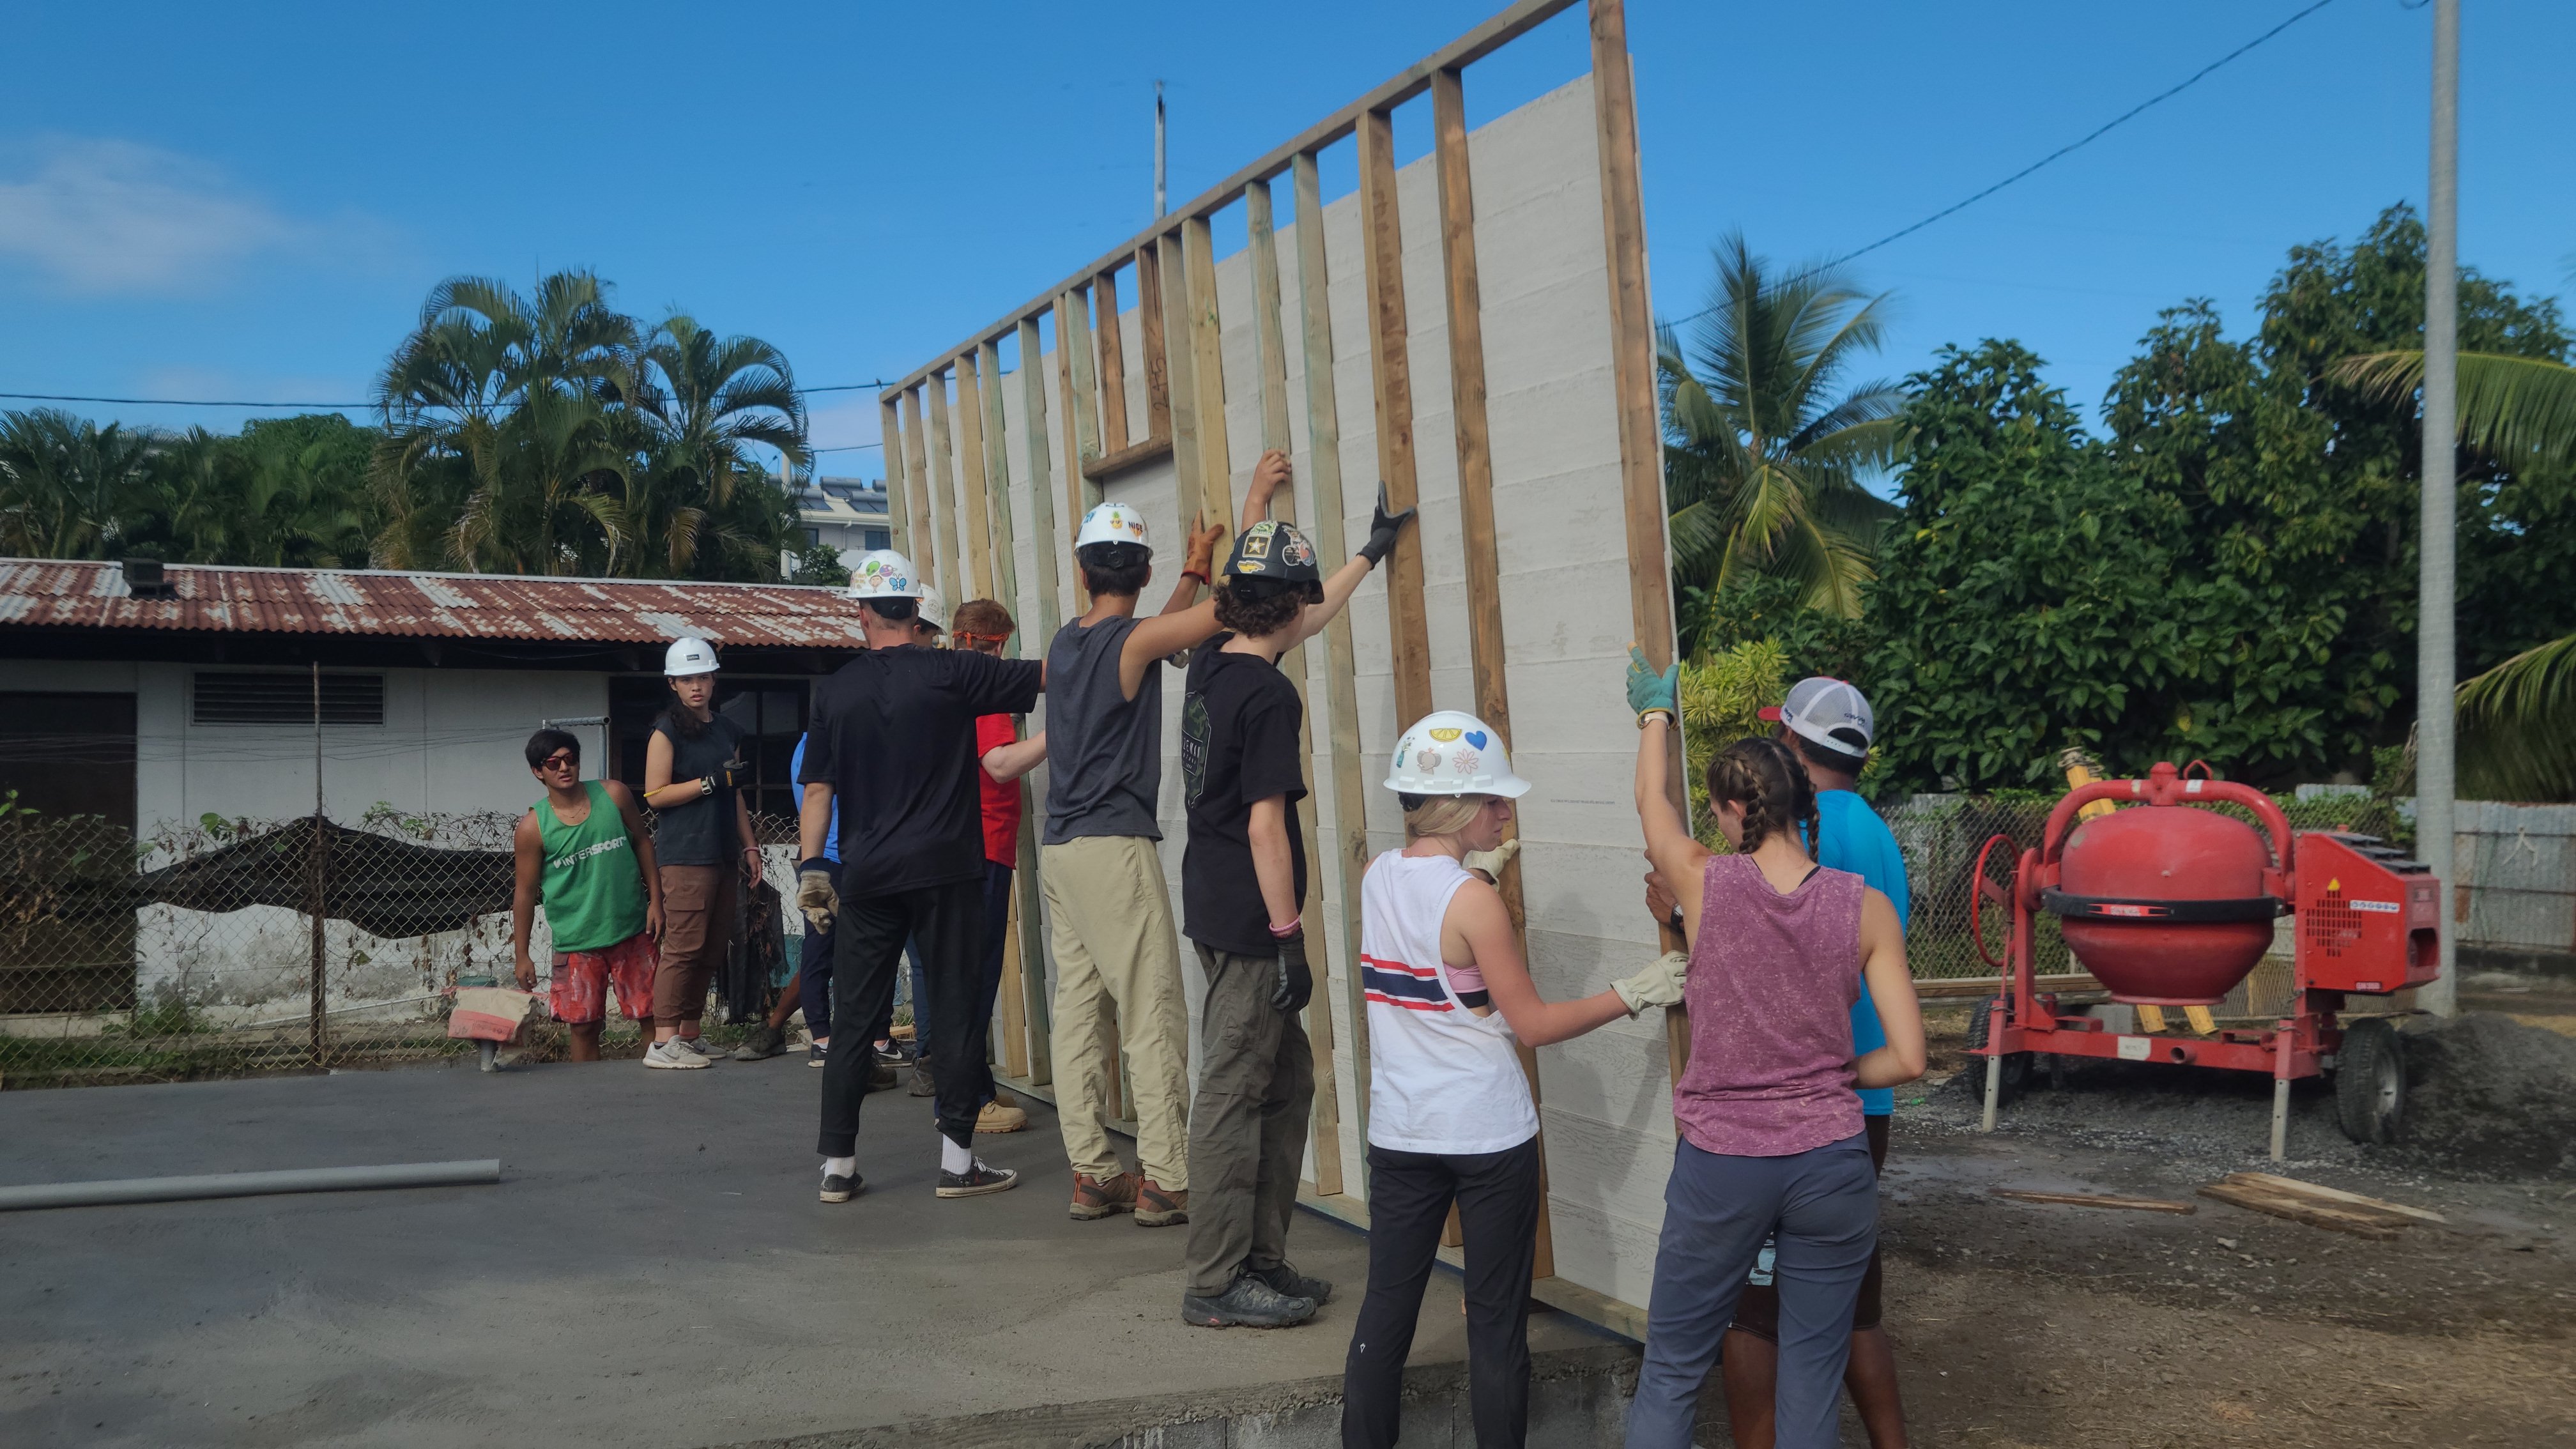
[{"x": 284, "y": 491}]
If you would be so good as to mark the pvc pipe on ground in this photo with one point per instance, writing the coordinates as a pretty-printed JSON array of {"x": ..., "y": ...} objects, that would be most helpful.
[{"x": 249, "y": 1184}]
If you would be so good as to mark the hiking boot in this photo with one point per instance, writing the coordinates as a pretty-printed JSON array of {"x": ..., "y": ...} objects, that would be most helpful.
[
  {"x": 815, "y": 1056},
  {"x": 1095, "y": 1198},
  {"x": 837, "y": 1188},
  {"x": 1292, "y": 1284},
  {"x": 1246, "y": 1303},
  {"x": 977, "y": 1180},
  {"x": 1157, "y": 1207},
  {"x": 997, "y": 1118},
  {"x": 764, "y": 1041},
  {"x": 923, "y": 1085},
  {"x": 672, "y": 1054}
]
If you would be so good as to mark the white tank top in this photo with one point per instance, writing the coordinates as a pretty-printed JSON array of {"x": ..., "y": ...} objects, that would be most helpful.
[{"x": 1441, "y": 1078}]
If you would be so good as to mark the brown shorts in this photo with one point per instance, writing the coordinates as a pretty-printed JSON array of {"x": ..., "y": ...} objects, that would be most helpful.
[
  {"x": 697, "y": 920},
  {"x": 1757, "y": 1310}
]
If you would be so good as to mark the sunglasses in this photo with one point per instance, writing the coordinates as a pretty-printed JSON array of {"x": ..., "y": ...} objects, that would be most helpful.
[{"x": 561, "y": 760}]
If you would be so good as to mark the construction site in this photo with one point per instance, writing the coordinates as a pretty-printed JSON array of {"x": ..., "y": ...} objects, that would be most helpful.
[{"x": 2247, "y": 1110}]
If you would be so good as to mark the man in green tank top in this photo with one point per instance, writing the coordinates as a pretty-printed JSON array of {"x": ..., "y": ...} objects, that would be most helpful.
[{"x": 584, "y": 850}]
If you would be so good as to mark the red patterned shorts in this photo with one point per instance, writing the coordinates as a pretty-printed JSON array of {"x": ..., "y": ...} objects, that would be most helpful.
[{"x": 580, "y": 991}]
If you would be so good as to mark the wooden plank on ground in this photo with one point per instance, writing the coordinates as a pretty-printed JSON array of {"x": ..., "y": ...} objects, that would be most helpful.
[
  {"x": 2095, "y": 1200},
  {"x": 1391, "y": 376},
  {"x": 2263, "y": 1198},
  {"x": 1113, "y": 364},
  {"x": 973, "y": 489},
  {"x": 1273, "y": 348},
  {"x": 916, "y": 471},
  {"x": 890, "y": 447},
  {"x": 2338, "y": 1195},
  {"x": 1149, "y": 330},
  {"x": 1324, "y": 473},
  {"x": 943, "y": 492}
]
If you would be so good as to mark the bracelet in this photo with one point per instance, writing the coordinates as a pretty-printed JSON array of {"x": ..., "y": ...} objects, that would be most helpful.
[
  {"x": 706, "y": 785},
  {"x": 1658, "y": 712},
  {"x": 1293, "y": 928}
]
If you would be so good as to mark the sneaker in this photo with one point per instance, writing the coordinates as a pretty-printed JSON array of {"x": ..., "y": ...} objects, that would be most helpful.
[
  {"x": 764, "y": 1041},
  {"x": 1157, "y": 1207},
  {"x": 697, "y": 1044},
  {"x": 896, "y": 1054},
  {"x": 815, "y": 1056},
  {"x": 1292, "y": 1284},
  {"x": 841, "y": 1189},
  {"x": 997, "y": 1118},
  {"x": 977, "y": 1180},
  {"x": 672, "y": 1054},
  {"x": 1247, "y": 1302},
  {"x": 1095, "y": 1198},
  {"x": 922, "y": 1083}
]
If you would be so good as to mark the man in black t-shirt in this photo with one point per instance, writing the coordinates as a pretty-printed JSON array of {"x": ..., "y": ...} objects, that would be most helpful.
[
  {"x": 1243, "y": 884},
  {"x": 891, "y": 739}
]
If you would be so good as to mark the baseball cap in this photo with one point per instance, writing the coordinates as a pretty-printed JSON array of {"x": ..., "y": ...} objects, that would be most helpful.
[
  {"x": 1273, "y": 550},
  {"x": 1831, "y": 712}
]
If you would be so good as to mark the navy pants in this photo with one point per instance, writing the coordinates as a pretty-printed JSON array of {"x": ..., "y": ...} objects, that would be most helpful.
[{"x": 1822, "y": 1206}]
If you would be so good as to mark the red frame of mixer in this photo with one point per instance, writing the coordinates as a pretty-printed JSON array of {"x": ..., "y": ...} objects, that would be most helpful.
[{"x": 2023, "y": 1018}]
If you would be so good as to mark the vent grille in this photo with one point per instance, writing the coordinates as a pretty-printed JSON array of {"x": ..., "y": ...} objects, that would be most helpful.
[{"x": 287, "y": 699}]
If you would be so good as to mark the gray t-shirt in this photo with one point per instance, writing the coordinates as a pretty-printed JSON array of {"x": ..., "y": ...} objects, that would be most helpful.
[{"x": 1104, "y": 750}]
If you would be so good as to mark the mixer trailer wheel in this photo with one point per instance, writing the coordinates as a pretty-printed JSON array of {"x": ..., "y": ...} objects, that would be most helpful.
[
  {"x": 2017, "y": 1065},
  {"x": 2370, "y": 1081}
]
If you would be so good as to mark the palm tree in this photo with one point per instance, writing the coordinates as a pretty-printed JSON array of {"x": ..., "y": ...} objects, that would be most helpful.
[
  {"x": 68, "y": 487},
  {"x": 2517, "y": 721},
  {"x": 1763, "y": 457},
  {"x": 704, "y": 400}
]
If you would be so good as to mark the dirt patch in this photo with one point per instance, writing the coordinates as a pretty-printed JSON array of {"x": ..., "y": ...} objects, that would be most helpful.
[{"x": 2492, "y": 1096}]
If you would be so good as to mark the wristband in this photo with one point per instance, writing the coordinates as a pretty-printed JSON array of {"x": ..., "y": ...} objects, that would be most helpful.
[
  {"x": 1293, "y": 928},
  {"x": 1200, "y": 575},
  {"x": 1675, "y": 920},
  {"x": 706, "y": 785},
  {"x": 1658, "y": 712}
]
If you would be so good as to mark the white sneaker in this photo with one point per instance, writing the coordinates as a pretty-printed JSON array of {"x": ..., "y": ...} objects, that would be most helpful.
[
  {"x": 672, "y": 1054},
  {"x": 698, "y": 1044}
]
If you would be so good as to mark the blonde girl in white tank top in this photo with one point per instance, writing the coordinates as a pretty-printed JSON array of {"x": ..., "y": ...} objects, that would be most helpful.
[{"x": 1450, "y": 1002}]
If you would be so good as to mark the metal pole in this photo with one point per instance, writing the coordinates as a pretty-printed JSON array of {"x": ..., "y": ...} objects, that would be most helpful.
[
  {"x": 1159, "y": 205},
  {"x": 2436, "y": 659},
  {"x": 314, "y": 866}
]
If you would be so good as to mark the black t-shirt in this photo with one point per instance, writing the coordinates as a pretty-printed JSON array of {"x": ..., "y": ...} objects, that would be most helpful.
[
  {"x": 1239, "y": 726},
  {"x": 893, "y": 733},
  {"x": 699, "y": 831}
]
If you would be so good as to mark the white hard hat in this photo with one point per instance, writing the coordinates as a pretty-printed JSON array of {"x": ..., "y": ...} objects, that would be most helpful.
[
  {"x": 881, "y": 573},
  {"x": 689, "y": 656},
  {"x": 1113, "y": 523},
  {"x": 931, "y": 609},
  {"x": 1832, "y": 712},
  {"x": 1451, "y": 752}
]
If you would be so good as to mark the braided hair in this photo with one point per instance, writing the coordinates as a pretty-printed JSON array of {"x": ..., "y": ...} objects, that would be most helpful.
[{"x": 1771, "y": 784}]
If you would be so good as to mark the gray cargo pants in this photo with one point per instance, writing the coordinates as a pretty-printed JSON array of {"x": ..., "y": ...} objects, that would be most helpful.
[{"x": 1247, "y": 1123}]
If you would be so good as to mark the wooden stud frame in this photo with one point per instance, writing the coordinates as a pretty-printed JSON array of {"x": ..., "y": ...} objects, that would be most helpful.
[{"x": 1181, "y": 363}]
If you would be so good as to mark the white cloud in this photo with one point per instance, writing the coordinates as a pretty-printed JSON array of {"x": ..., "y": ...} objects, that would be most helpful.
[{"x": 116, "y": 216}]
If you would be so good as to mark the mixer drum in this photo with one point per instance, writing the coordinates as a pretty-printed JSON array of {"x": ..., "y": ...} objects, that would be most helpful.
[{"x": 2165, "y": 904}]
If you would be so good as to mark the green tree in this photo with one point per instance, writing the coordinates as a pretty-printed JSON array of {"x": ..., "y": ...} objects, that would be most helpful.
[
  {"x": 70, "y": 488},
  {"x": 1764, "y": 447},
  {"x": 704, "y": 403}
]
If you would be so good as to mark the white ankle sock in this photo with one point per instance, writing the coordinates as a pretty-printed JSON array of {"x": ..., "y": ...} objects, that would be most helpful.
[
  {"x": 953, "y": 1158},
  {"x": 840, "y": 1167}
]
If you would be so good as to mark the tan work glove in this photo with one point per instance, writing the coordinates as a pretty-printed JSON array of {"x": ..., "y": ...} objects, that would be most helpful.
[
  {"x": 815, "y": 895},
  {"x": 1491, "y": 862},
  {"x": 1657, "y": 985}
]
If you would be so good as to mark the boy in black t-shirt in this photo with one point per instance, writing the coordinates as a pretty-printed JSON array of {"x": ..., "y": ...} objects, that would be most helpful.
[{"x": 1243, "y": 883}]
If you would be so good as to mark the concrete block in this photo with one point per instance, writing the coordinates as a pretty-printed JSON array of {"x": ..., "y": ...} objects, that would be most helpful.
[{"x": 1317, "y": 1426}]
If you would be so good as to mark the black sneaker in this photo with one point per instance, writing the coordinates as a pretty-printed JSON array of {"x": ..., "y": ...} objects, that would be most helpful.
[
  {"x": 764, "y": 1041},
  {"x": 896, "y": 1054},
  {"x": 1289, "y": 1283},
  {"x": 815, "y": 1056},
  {"x": 977, "y": 1180},
  {"x": 1247, "y": 1302},
  {"x": 841, "y": 1189},
  {"x": 923, "y": 1084}
]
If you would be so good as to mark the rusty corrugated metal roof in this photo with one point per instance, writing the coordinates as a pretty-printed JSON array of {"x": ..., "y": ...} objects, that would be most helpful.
[{"x": 218, "y": 599}]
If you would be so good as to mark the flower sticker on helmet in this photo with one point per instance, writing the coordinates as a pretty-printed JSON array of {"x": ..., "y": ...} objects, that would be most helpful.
[{"x": 1465, "y": 760}]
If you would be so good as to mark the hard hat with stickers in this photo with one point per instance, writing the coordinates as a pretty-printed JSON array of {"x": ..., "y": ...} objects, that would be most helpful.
[
  {"x": 1113, "y": 523},
  {"x": 1451, "y": 752},
  {"x": 881, "y": 573},
  {"x": 1273, "y": 550}
]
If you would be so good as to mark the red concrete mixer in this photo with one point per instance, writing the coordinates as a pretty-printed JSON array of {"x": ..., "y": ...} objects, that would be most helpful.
[{"x": 2169, "y": 903}]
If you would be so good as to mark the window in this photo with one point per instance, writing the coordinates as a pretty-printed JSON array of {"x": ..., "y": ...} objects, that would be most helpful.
[
  {"x": 877, "y": 537},
  {"x": 813, "y": 536},
  {"x": 287, "y": 699}
]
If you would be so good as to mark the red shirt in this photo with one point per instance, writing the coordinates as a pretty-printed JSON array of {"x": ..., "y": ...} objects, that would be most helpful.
[{"x": 1001, "y": 800}]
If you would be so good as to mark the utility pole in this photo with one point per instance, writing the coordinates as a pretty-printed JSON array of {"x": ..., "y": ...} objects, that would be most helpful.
[
  {"x": 315, "y": 864},
  {"x": 1160, "y": 207},
  {"x": 2437, "y": 668}
]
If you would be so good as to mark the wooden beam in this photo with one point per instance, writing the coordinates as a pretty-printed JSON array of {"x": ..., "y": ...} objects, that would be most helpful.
[
  {"x": 1044, "y": 540},
  {"x": 1149, "y": 330},
  {"x": 972, "y": 487},
  {"x": 1391, "y": 372},
  {"x": 1027, "y": 986},
  {"x": 1074, "y": 492},
  {"x": 916, "y": 471},
  {"x": 1502, "y": 29},
  {"x": 2095, "y": 1200},
  {"x": 1126, "y": 460},
  {"x": 898, "y": 511},
  {"x": 1074, "y": 349},
  {"x": 943, "y": 492},
  {"x": 1113, "y": 363},
  {"x": 1641, "y": 443},
  {"x": 1466, "y": 331},
  {"x": 997, "y": 481},
  {"x": 1207, "y": 385},
  {"x": 1174, "y": 266},
  {"x": 1327, "y": 1110},
  {"x": 1350, "y": 854}
]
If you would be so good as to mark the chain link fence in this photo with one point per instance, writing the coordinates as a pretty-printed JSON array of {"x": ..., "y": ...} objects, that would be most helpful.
[{"x": 238, "y": 946}]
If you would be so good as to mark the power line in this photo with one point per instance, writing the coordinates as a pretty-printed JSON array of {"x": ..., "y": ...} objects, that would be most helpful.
[
  {"x": 192, "y": 402},
  {"x": 2088, "y": 139}
]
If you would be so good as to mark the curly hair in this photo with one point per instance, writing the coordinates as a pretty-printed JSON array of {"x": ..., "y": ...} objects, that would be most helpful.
[
  {"x": 1255, "y": 607},
  {"x": 1770, "y": 782}
]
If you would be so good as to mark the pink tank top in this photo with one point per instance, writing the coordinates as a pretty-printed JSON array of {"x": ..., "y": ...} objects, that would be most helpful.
[{"x": 1772, "y": 982}]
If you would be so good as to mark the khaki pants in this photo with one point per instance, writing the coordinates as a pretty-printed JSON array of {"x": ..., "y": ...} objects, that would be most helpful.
[
  {"x": 1248, "y": 1129},
  {"x": 1118, "y": 975}
]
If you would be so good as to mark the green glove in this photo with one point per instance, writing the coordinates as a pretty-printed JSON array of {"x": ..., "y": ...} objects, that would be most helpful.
[{"x": 1648, "y": 690}]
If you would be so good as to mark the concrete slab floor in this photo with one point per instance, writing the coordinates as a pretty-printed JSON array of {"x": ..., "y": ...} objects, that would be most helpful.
[{"x": 653, "y": 1268}]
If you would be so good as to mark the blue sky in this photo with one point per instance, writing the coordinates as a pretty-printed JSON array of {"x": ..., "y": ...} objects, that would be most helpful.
[{"x": 249, "y": 202}]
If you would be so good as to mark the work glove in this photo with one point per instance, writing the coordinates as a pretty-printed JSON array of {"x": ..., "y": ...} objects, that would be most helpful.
[
  {"x": 1648, "y": 691},
  {"x": 1491, "y": 862},
  {"x": 731, "y": 775},
  {"x": 815, "y": 895},
  {"x": 1296, "y": 983},
  {"x": 1383, "y": 528},
  {"x": 1657, "y": 985}
]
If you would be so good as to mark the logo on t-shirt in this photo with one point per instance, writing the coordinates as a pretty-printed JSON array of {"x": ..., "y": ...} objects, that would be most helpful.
[{"x": 1194, "y": 748}]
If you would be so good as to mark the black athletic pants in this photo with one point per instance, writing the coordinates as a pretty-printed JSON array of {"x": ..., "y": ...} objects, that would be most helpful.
[
  {"x": 948, "y": 922},
  {"x": 1409, "y": 1195}
]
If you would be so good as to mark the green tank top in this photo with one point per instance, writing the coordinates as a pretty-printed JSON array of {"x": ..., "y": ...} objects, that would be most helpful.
[{"x": 591, "y": 882}]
